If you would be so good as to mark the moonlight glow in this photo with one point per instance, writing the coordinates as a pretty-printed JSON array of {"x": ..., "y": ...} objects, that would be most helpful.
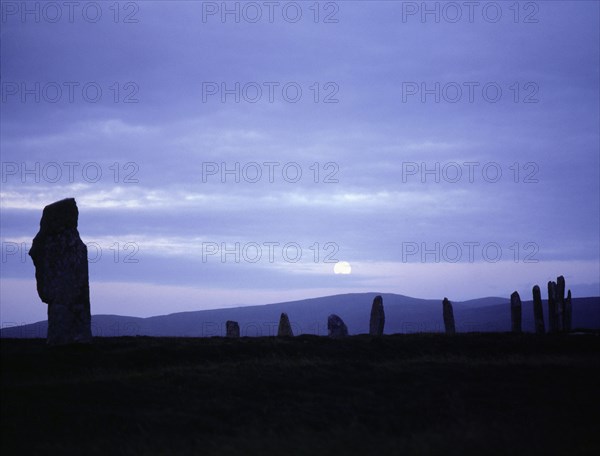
[{"x": 342, "y": 267}]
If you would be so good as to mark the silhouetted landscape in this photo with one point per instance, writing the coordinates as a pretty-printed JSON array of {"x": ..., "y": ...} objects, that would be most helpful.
[
  {"x": 208, "y": 211},
  {"x": 483, "y": 390},
  {"x": 403, "y": 315},
  {"x": 381, "y": 391},
  {"x": 474, "y": 393}
]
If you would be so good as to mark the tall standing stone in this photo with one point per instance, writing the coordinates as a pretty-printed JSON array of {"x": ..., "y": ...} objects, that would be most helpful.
[
  {"x": 336, "y": 326},
  {"x": 448, "y": 316},
  {"x": 285, "y": 329},
  {"x": 560, "y": 301},
  {"x": 233, "y": 329},
  {"x": 61, "y": 272},
  {"x": 552, "y": 316},
  {"x": 538, "y": 312},
  {"x": 568, "y": 315},
  {"x": 515, "y": 312},
  {"x": 377, "y": 321}
]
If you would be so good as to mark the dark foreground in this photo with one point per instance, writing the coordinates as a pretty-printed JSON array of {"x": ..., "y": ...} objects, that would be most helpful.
[{"x": 401, "y": 394}]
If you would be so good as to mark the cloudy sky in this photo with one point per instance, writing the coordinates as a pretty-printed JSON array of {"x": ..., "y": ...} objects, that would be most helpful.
[{"x": 233, "y": 153}]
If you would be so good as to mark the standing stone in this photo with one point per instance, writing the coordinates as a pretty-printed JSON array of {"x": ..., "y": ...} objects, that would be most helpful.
[
  {"x": 377, "y": 321},
  {"x": 552, "y": 320},
  {"x": 336, "y": 326},
  {"x": 61, "y": 272},
  {"x": 448, "y": 317},
  {"x": 285, "y": 329},
  {"x": 233, "y": 329},
  {"x": 538, "y": 312},
  {"x": 515, "y": 312},
  {"x": 568, "y": 315},
  {"x": 560, "y": 301}
]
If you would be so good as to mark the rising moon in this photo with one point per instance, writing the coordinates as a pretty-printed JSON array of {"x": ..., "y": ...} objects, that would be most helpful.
[{"x": 342, "y": 267}]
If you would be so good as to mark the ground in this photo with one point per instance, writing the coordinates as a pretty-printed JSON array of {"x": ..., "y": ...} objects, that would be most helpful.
[{"x": 398, "y": 394}]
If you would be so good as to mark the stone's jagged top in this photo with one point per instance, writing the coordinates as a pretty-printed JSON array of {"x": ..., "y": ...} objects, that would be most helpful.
[
  {"x": 59, "y": 216},
  {"x": 560, "y": 289},
  {"x": 61, "y": 272},
  {"x": 377, "y": 322},
  {"x": 285, "y": 328},
  {"x": 559, "y": 310},
  {"x": 336, "y": 326}
]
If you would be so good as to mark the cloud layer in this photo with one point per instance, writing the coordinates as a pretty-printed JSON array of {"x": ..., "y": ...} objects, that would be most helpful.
[{"x": 232, "y": 155}]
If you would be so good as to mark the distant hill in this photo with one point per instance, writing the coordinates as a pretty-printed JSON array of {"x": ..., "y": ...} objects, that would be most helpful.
[{"x": 309, "y": 316}]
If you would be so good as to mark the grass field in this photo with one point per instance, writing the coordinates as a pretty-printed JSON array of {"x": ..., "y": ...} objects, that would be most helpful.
[{"x": 398, "y": 394}]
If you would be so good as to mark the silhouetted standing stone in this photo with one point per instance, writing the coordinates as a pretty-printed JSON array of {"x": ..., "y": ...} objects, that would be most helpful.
[
  {"x": 560, "y": 301},
  {"x": 568, "y": 315},
  {"x": 233, "y": 329},
  {"x": 538, "y": 313},
  {"x": 61, "y": 273},
  {"x": 285, "y": 329},
  {"x": 448, "y": 317},
  {"x": 377, "y": 321},
  {"x": 336, "y": 326},
  {"x": 515, "y": 312},
  {"x": 552, "y": 315}
]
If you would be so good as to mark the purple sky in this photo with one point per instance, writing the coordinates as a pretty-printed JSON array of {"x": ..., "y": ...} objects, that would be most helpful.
[{"x": 445, "y": 149}]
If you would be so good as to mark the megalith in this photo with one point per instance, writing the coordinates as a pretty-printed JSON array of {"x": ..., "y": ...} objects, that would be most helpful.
[
  {"x": 538, "y": 313},
  {"x": 568, "y": 313},
  {"x": 552, "y": 308},
  {"x": 285, "y": 329},
  {"x": 233, "y": 328},
  {"x": 336, "y": 326},
  {"x": 377, "y": 321},
  {"x": 61, "y": 272},
  {"x": 560, "y": 302},
  {"x": 515, "y": 312},
  {"x": 448, "y": 316}
]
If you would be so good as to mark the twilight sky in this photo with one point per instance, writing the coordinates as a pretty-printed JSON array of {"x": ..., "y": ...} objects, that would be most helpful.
[{"x": 232, "y": 153}]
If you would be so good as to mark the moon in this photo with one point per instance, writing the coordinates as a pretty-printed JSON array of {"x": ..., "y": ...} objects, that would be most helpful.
[{"x": 342, "y": 267}]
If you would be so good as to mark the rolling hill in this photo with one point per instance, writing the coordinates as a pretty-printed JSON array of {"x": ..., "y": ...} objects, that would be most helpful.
[{"x": 403, "y": 315}]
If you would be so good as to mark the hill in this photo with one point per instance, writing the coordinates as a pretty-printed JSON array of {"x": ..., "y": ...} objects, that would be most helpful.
[{"x": 403, "y": 315}]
